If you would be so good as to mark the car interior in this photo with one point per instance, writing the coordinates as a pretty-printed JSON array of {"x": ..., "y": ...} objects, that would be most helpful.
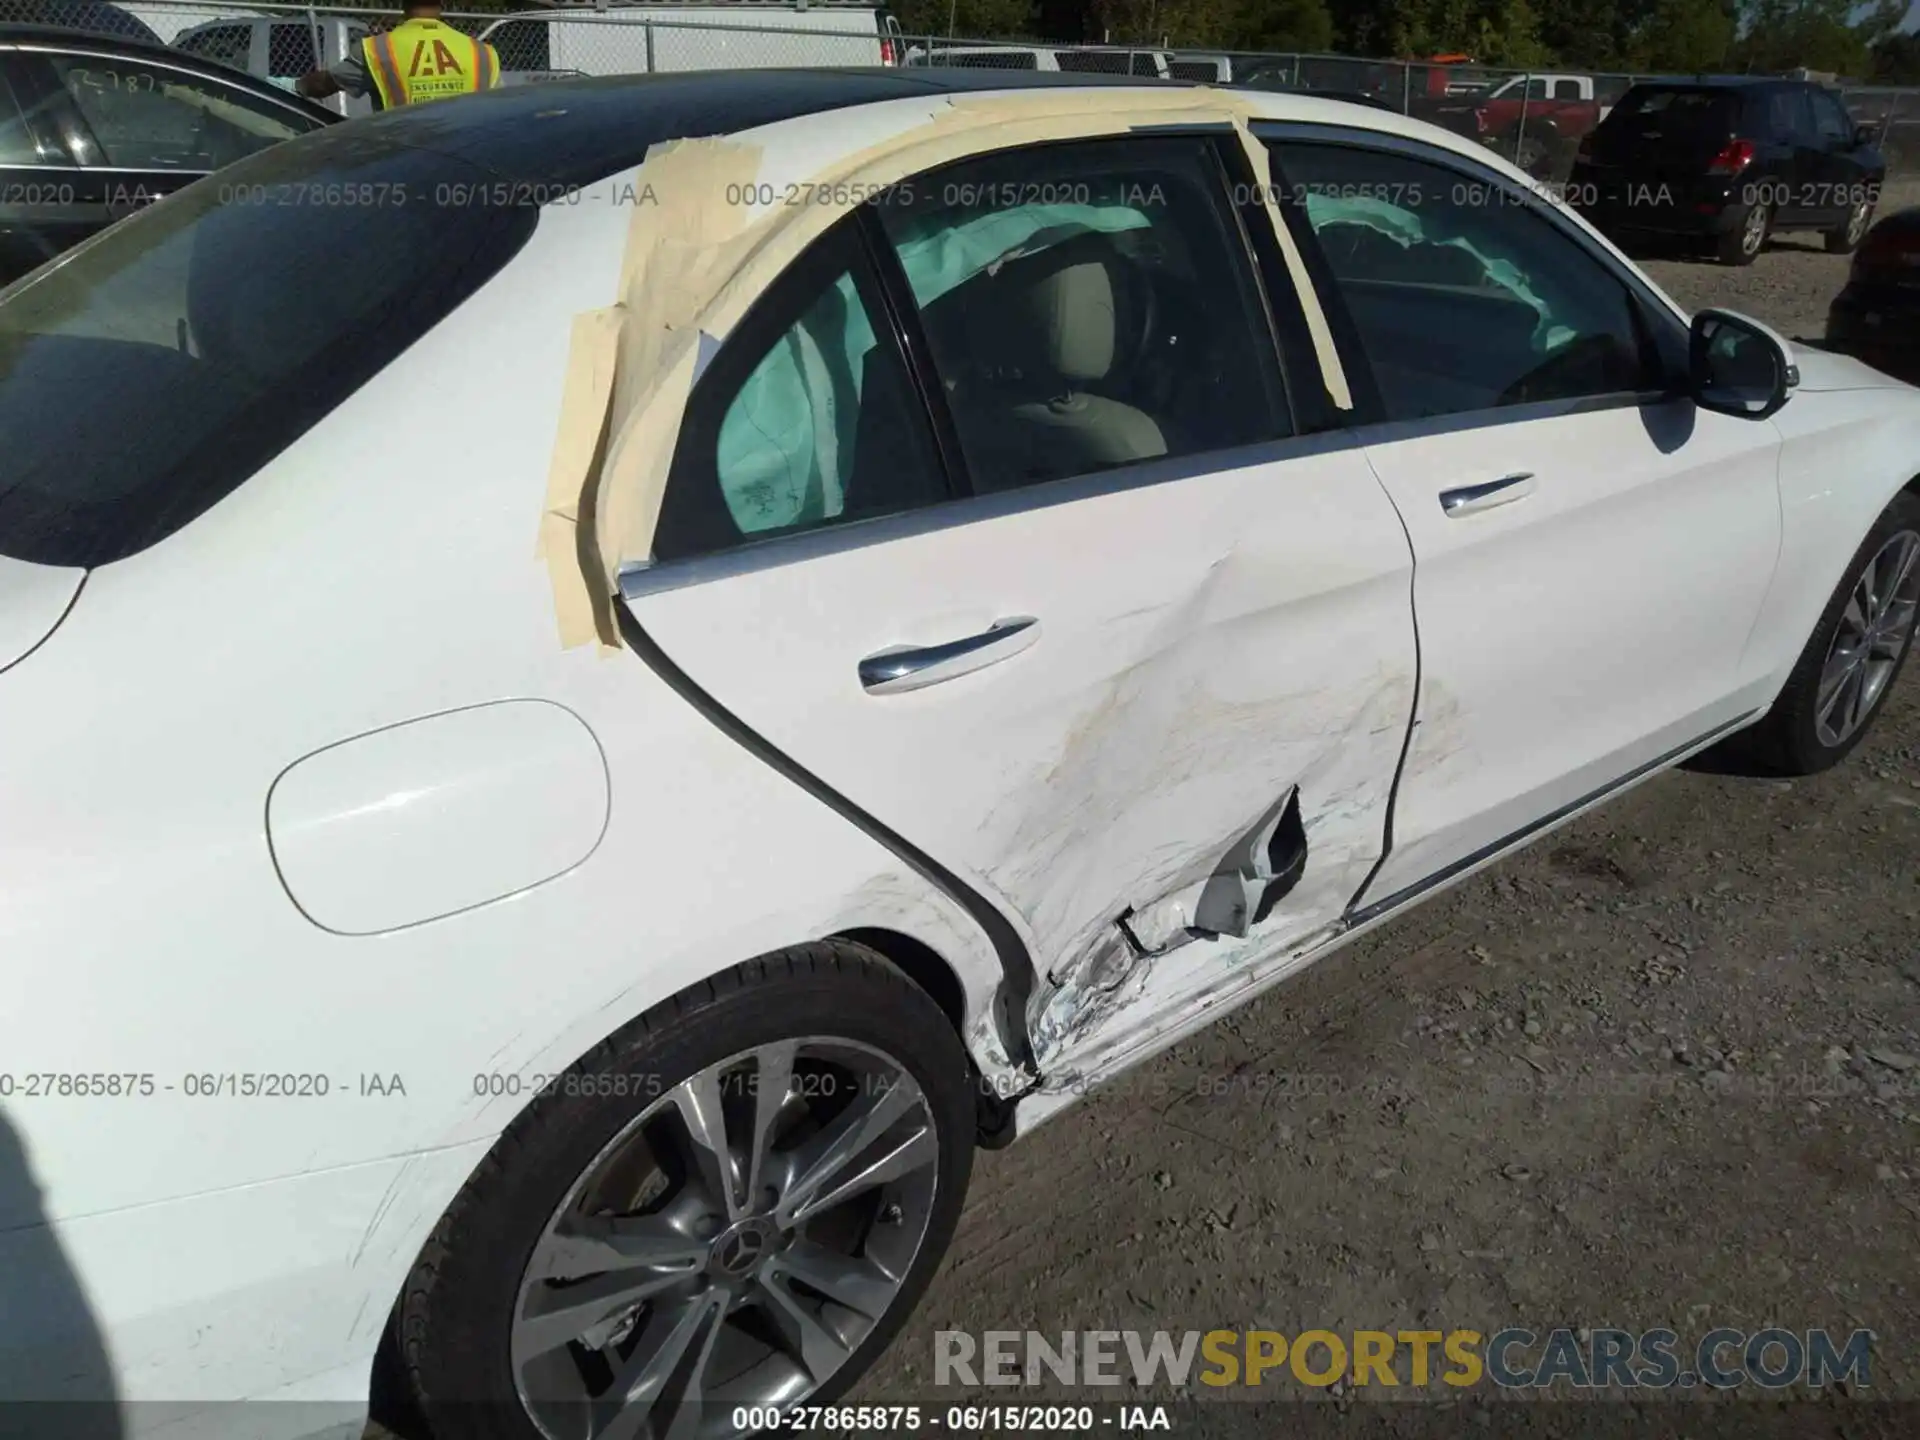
[
  {"x": 1069, "y": 338},
  {"x": 1103, "y": 350}
]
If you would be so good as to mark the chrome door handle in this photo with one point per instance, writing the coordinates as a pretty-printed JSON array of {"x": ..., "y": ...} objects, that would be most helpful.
[
  {"x": 910, "y": 667},
  {"x": 1471, "y": 499}
]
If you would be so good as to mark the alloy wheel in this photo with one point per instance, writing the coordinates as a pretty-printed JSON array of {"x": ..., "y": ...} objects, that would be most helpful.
[
  {"x": 1857, "y": 222},
  {"x": 1873, "y": 634},
  {"x": 1753, "y": 234},
  {"x": 731, "y": 1247}
]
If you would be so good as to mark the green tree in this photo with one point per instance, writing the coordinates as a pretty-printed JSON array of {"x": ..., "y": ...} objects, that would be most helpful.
[
  {"x": 975, "y": 19},
  {"x": 1682, "y": 36},
  {"x": 1818, "y": 34},
  {"x": 1896, "y": 59},
  {"x": 1494, "y": 32},
  {"x": 1303, "y": 26}
]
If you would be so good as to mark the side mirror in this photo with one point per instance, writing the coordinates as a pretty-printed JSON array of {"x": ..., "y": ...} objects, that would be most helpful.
[
  {"x": 1738, "y": 366},
  {"x": 1862, "y": 136}
]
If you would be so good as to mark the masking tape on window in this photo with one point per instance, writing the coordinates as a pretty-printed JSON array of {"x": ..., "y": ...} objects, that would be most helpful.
[
  {"x": 1328, "y": 354},
  {"x": 694, "y": 263}
]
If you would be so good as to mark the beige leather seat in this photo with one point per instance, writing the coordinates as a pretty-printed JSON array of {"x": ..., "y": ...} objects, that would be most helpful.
[{"x": 1046, "y": 421}]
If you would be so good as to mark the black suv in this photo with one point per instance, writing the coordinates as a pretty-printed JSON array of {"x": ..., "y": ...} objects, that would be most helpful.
[{"x": 1728, "y": 162}]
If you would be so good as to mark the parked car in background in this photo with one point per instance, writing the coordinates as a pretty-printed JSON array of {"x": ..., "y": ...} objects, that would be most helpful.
[
  {"x": 1729, "y": 162},
  {"x": 1074, "y": 590},
  {"x": 93, "y": 128},
  {"x": 1280, "y": 81},
  {"x": 1877, "y": 316},
  {"x": 282, "y": 48},
  {"x": 167, "y": 20},
  {"x": 1533, "y": 120},
  {"x": 1325, "y": 74},
  {"x": 638, "y": 39}
]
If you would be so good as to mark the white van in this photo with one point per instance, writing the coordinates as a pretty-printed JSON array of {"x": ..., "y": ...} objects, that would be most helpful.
[
  {"x": 280, "y": 48},
  {"x": 170, "y": 22},
  {"x": 665, "y": 35}
]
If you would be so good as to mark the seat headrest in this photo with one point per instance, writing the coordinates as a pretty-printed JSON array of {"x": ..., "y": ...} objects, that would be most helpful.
[{"x": 1057, "y": 310}]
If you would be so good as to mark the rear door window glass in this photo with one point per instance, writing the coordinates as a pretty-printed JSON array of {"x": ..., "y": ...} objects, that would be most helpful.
[
  {"x": 1830, "y": 119},
  {"x": 1789, "y": 118},
  {"x": 1088, "y": 306},
  {"x": 807, "y": 417},
  {"x": 168, "y": 358}
]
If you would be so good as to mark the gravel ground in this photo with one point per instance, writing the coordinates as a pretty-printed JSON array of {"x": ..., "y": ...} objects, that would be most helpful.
[
  {"x": 1658, "y": 1071},
  {"x": 1788, "y": 286}
]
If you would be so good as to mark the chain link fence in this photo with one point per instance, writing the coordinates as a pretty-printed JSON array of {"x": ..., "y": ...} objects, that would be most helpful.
[{"x": 1536, "y": 119}]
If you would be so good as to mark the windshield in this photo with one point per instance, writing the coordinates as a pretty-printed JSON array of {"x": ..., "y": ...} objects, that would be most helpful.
[{"x": 151, "y": 370}]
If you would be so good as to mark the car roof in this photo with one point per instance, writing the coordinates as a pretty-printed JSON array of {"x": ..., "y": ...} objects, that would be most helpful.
[
  {"x": 68, "y": 37},
  {"x": 1714, "y": 82},
  {"x": 580, "y": 130}
]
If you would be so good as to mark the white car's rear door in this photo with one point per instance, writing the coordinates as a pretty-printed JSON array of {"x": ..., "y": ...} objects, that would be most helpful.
[{"x": 1161, "y": 611}]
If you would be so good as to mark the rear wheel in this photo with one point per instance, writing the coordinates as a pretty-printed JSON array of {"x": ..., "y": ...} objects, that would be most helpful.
[
  {"x": 732, "y": 1204},
  {"x": 1856, "y": 652},
  {"x": 1742, "y": 244},
  {"x": 1845, "y": 238}
]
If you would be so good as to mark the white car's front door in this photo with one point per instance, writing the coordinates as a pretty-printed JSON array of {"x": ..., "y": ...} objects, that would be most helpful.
[
  {"x": 1591, "y": 552},
  {"x": 1089, "y": 622}
]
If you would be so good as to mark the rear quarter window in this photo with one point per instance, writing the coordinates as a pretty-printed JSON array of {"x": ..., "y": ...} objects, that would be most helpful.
[{"x": 162, "y": 363}]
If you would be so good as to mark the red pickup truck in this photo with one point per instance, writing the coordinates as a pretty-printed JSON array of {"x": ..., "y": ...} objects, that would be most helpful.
[{"x": 1537, "y": 121}]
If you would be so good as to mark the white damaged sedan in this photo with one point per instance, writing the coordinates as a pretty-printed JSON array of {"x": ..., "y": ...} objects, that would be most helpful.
[{"x": 599, "y": 683}]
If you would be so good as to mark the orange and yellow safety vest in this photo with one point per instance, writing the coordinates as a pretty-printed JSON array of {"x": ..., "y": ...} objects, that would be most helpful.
[{"x": 422, "y": 60}]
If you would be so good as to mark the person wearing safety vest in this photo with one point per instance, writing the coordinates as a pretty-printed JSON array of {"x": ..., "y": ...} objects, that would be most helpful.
[{"x": 420, "y": 59}]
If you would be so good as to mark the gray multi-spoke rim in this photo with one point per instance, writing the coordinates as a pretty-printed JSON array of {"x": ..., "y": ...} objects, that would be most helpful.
[
  {"x": 731, "y": 1247},
  {"x": 1857, "y": 222},
  {"x": 1873, "y": 635},
  {"x": 1754, "y": 234}
]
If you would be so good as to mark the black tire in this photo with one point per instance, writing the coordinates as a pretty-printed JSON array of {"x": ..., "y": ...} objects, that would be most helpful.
[
  {"x": 1844, "y": 238},
  {"x": 454, "y": 1315},
  {"x": 1787, "y": 741},
  {"x": 1732, "y": 249}
]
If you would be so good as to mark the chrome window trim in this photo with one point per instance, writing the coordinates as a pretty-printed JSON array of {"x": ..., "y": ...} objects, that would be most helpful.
[
  {"x": 643, "y": 578},
  {"x": 654, "y": 577}
]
